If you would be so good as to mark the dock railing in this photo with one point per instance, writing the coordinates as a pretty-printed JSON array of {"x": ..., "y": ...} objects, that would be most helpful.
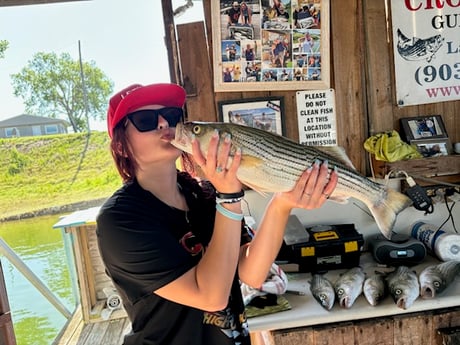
[
  {"x": 7, "y": 336},
  {"x": 16, "y": 261}
]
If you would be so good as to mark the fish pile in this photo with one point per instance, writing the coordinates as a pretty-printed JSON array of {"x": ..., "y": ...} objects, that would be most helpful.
[
  {"x": 272, "y": 163},
  {"x": 402, "y": 284}
]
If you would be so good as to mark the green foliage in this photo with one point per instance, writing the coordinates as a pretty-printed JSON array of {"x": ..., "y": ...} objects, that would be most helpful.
[
  {"x": 51, "y": 86},
  {"x": 18, "y": 162},
  {"x": 48, "y": 171},
  {"x": 3, "y": 48}
]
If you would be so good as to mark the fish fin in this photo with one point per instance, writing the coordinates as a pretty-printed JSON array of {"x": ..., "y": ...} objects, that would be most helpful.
[
  {"x": 386, "y": 210},
  {"x": 338, "y": 153},
  {"x": 251, "y": 162},
  {"x": 340, "y": 199}
]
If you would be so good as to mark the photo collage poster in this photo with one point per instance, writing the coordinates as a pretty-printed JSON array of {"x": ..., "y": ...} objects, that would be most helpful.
[{"x": 270, "y": 41}]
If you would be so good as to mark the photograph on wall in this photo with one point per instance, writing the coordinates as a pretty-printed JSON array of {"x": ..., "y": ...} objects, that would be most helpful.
[
  {"x": 264, "y": 113},
  {"x": 433, "y": 148},
  {"x": 423, "y": 127},
  {"x": 426, "y": 44},
  {"x": 270, "y": 44}
]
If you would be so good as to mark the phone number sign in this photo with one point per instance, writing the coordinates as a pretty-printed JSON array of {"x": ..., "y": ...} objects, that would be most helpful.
[{"x": 426, "y": 39}]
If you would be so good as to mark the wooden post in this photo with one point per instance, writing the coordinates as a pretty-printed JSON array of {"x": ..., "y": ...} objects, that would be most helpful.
[{"x": 7, "y": 336}]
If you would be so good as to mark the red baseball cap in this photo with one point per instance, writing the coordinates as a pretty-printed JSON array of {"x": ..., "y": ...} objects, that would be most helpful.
[{"x": 136, "y": 96}]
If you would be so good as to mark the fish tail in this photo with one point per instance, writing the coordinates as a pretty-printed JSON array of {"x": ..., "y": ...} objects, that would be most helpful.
[{"x": 386, "y": 210}]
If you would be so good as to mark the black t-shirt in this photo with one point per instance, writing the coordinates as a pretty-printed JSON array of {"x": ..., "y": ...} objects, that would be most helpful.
[{"x": 146, "y": 244}]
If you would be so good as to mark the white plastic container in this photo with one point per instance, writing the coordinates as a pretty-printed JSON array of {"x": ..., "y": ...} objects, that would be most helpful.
[{"x": 443, "y": 245}]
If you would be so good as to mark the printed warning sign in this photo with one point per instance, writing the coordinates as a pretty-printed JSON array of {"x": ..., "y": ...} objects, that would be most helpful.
[{"x": 316, "y": 117}]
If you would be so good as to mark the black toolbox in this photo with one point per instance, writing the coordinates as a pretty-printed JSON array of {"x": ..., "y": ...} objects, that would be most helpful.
[{"x": 328, "y": 247}]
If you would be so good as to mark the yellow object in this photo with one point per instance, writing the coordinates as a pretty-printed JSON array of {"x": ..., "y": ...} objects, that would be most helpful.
[
  {"x": 389, "y": 147},
  {"x": 351, "y": 246}
]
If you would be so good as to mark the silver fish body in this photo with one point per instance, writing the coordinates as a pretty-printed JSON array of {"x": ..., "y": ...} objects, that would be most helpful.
[
  {"x": 272, "y": 163},
  {"x": 403, "y": 286},
  {"x": 434, "y": 279},
  {"x": 375, "y": 289},
  {"x": 323, "y": 291},
  {"x": 349, "y": 286}
]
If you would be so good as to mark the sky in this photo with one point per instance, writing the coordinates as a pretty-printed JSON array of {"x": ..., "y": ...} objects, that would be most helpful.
[{"x": 125, "y": 39}]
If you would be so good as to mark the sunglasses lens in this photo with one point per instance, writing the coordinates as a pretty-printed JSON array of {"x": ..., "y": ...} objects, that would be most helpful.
[
  {"x": 147, "y": 120},
  {"x": 144, "y": 120},
  {"x": 172, "y": 115}
]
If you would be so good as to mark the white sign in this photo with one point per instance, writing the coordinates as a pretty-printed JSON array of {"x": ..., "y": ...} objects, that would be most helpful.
[
  {"x": 316, "y": 116},
  {"x": 426, "y": 39}
]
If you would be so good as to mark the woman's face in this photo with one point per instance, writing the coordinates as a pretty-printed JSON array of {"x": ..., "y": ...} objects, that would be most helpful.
[{"x": 152, "y": 146}]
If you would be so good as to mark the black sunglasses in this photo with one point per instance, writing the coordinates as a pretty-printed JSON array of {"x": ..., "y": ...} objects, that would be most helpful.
[{"x": 147, "y": 119}]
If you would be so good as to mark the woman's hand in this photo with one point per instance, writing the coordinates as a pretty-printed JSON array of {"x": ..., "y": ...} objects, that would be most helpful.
[
  {"x": 219, "y": 168},
  {"x": 311, "y": 191}
]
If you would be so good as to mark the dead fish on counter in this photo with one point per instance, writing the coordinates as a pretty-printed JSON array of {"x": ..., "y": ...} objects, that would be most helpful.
[
  {"x": 403, "y": 286},
  {"x": 434, "y": 279},
  {"x": 413, "y": 49},
  {"x": 323, "y": 291},
  {"x": 375, "y": 288},
  {"x": 272, "y": 163},
  {"x": 349, "y": 286}
]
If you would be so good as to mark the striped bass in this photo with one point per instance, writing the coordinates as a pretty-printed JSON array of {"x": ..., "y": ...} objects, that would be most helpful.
[{"x": 272, "y": 163}]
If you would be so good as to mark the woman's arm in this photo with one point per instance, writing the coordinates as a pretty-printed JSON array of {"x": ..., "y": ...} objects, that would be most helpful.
[
  {"x": 207, "y": 285},
  {"x": 310, "y": 192}
]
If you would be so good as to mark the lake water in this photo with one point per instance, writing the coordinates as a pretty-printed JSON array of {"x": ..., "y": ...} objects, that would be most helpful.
[{"x": 36, "y": 321}]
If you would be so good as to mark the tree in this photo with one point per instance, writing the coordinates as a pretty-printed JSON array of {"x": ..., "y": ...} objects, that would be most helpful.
[
  {"x": 3, "y": 47},
  {"x": 51, "y": 86}
]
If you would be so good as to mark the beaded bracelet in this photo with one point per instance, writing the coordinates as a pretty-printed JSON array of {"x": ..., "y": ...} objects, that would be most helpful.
[
  {"x": 236, "y": 195},
  {"x": 228, "y": 201},
  {"x": 229, "y": 214}
]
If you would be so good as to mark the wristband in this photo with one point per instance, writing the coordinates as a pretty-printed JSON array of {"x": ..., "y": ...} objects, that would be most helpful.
[
  {"x": 229, "y": 214},
  {"x": 228, "y": 201},
  {"x": 236, "y": 195}
]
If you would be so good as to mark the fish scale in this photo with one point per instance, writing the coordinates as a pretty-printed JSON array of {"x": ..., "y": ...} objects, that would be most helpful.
[{"x": 272, "y": 163}]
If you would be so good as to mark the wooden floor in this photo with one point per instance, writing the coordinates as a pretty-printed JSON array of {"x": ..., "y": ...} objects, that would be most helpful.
[{"x": 76, "y": 332}]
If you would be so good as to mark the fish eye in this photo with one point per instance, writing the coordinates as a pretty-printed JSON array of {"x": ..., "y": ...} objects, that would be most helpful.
[
  {"x": 322, "y": 297},
  {"x": 436, "y": 284},
  {"x": 196, "y": 129},
  {"x": 398, "y": 291},
  {"x": 340, "y": 292}
]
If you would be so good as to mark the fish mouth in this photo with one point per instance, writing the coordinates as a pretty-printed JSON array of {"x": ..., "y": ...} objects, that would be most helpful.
[
  {"x": 401, "y": 303},
  {"x": 181, "y": 139},
  {"x": 427, "y": 292},
  {"x": 344, "y": 302}
]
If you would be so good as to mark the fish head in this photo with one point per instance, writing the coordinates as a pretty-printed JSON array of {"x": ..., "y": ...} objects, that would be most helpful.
[
  {"x": 374, "y": 289},
  {"x": 186, "y": 132},
  {"x": 431, "y": 283},
  {"x": 404, "y": 287},
  {"x": 204, "y": 131},
  {"x": 326, "y": 299},
  {"x": 434, "y": 43},
  {"x": 344, "y": 297}
]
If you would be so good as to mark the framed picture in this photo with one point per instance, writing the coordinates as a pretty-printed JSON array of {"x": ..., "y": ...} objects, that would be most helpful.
[
  {"x": 270, "y": 45},
  {"x": 264, "y": 113},
  {"x": 423, "y": 127},
  {"x": 433, "y": 147}
]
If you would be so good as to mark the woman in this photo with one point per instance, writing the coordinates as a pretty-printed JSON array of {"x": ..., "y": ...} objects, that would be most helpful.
[{"x": 174, "y": 254}]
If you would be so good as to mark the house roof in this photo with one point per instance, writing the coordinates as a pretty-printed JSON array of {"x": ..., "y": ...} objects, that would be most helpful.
[{"x": 29, "y": 120}]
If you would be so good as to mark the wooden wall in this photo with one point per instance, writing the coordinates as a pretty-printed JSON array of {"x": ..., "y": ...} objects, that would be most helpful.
[{"x": 362, "y": 75}]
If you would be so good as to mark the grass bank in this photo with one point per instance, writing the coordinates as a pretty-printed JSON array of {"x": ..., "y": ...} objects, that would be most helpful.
[{"x": 48, "y": 172}]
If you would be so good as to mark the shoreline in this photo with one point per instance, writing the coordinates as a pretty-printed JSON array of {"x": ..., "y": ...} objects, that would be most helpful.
[{"x": 55, "y": 210}]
